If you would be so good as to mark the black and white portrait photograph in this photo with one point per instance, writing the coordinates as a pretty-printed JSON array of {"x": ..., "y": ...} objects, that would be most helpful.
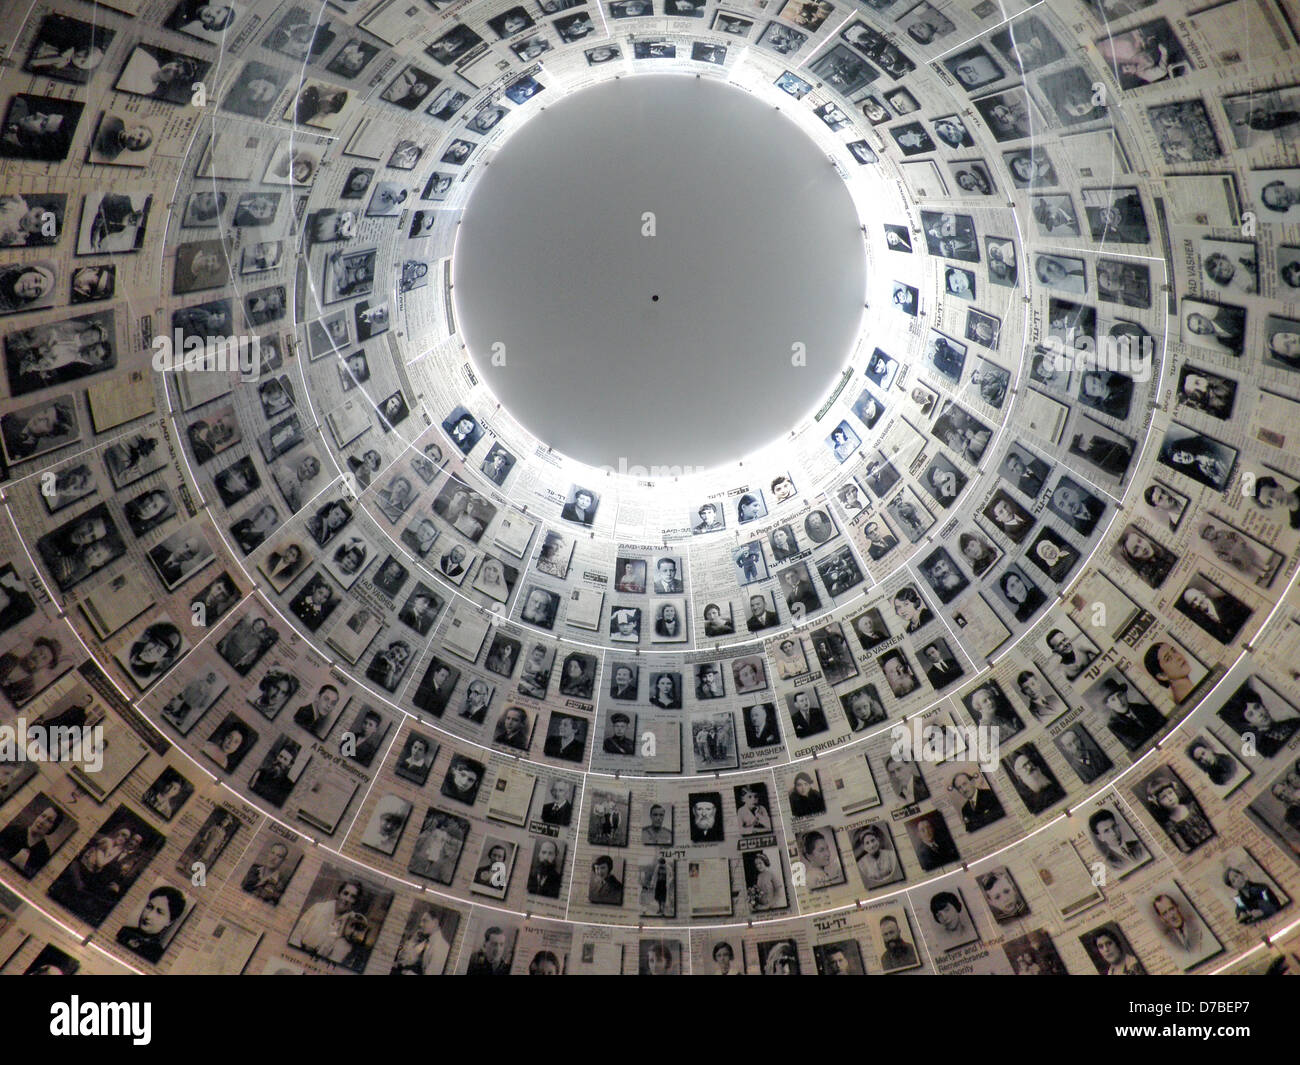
[
  {"x": 840, "y": 572},
  {"x": 713, "y": 741},
  {"x": 1009, "y": 115},
  {"x": 1007, "y": 516},
  {"x": 1171, "y": 804},
  {"x": 1076, "y": 505},
  {"x": 1033, "y": 779},
  {"x": 1031, "y": 168},
  {"x": 106, "y": 868},
  {"x": 1198, "y": 457},
  {"x": 68, "y": 49},
  {"x": 113, "y": 223},
  {"x": 1072, "y": 98},
  {"x": 1082, "y": 753},
  {"x": 946, "y": 355},
  {"x": 992, "y": 382},
  {"x": 1213, "y": 609},
  {"x": 1184, "y": 132},
  {"x": 912, "y": 138},
  {"x": 1107, "y": 451},
  {"x": 943, "y": 574},
  {"x": 1237, "y": 551},
  {"x": 272, "y": 870},
  {"x": 409, "y": 89},
  {"x": 453, "y": 44},
  {"x": 910, "y": 514},
  {"x": 35, "y": 834},
  {"x": 925, "y": 23},
  {"x": 950, "y": 236},
  {"x": 1028, "y": 45},
  {"x": 1147, "y": 54},
  {"x": 1124, "y": 711},
  {"x": 608, "y": 818},
  {"x": 301, "y": 35},
  {"x": 1115, "y": 215},
  {"x": 952, "y": 131},
  {"x": 761, "y": 727},
  {"x": 161, "y": 74},
  {"x": 1054, "y": 214},
  {"x": 974, "y": 68},
  {"x": 776, "y": 37},
  {"x": 950, "y": 924},
  {"x": 1266, "y": 115},
  {"x": 1179, "y": 928},
  {"x": 153, "y": 928},
  {"x": 843, "y": 70},
  {"x": 123, "y": 141},
  {"x": 341, "y": 918},
  {"x": 943, "y": 481},
  {"x": 898, "y": 238}
]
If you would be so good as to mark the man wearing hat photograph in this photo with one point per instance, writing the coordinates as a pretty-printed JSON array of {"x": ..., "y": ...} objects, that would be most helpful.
[
  {"x": 618, "y": 741},
  {"x": 1132, "y": 721},
  {"x": 1247, "y": 712}
]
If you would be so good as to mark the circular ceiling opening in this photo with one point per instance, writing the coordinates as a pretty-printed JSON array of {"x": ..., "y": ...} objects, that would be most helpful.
[{"x": 658, "y": 255}]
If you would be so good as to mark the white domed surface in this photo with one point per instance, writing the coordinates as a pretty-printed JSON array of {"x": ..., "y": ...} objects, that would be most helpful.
[{"x": 757, "y": 247}]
